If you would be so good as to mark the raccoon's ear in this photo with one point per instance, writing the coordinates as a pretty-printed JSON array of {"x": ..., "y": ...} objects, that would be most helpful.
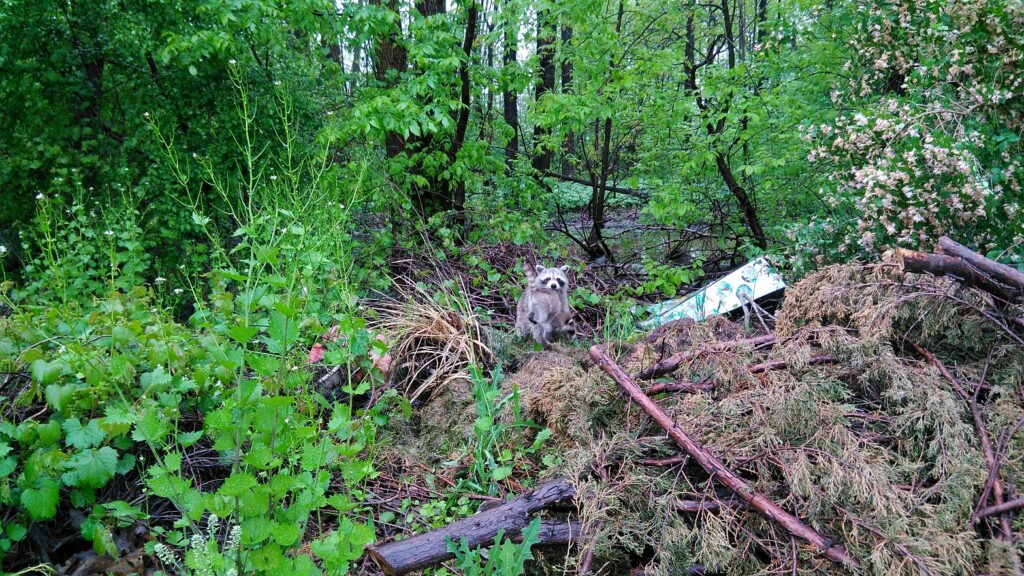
[
  {"x": 564, "y": 269},
  {"x": 538, "y": 268}
]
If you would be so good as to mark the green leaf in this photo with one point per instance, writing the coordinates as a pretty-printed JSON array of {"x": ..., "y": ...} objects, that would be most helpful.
[
  {"x": 187, "y": 439},
  {"x": 501, "y": 472},
  {"x": 238, "y": 484},
  {"x": 285, "y": 534},
  {"x": 8, "y": 465},
  {"x": 16, "y": 531},
  {"x": 45, "y": 373},
  {"x": 58, "y": 397},
  {"x": 91, "y": 468},
  {"x": 82, "y": 437},
  {"x": 151, "y": 428},
  {"x": 242, "y": 334},
  {"x": 155, "y": 380},
  {"x": 41, "y": 502}
]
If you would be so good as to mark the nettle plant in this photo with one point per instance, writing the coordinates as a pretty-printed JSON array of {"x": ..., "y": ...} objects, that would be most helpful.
[{"x": 932, "y": 146}]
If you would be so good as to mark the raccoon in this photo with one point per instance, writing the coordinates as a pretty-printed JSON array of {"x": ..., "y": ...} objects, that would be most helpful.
[{"x": 543, "y": 311}]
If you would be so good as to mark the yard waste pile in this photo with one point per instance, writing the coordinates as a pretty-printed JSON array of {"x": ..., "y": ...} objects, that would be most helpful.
[{"x": 873, "y": 429}]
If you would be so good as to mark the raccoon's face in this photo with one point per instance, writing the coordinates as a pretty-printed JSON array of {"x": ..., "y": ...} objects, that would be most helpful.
[{"x": 552, "y": 278}]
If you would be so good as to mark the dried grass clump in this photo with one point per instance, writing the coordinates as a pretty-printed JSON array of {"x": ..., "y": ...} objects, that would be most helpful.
[{"x": 435, "y": 338}]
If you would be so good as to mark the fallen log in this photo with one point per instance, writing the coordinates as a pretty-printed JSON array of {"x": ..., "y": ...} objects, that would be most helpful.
[
  {"x": 431, "y": 548},
  {"x": 673, "y": 362},
  {"x": 716, "y": 469},
  {"x": 999, "y": 272},
  {"x": 944, "y": 265}
]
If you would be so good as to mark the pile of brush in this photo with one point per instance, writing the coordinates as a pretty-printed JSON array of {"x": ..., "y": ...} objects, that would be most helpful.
[{"x": 873, "y": 429}]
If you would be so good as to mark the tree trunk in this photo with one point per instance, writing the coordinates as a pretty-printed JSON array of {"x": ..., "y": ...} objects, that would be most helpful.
[
  {"x": 569, "y": 146},
  {"x": 943, "y": 265},
  {"x": 746, "y": 205},
  {"x": 458, "y": 192},
  {"x": 596, "y": 245},
  {"x": 545, "y": 49},
  {"x": 390, "y": 56},
  {"x": 510, "y": 97},
  {"x": 1000, "y": 272}
]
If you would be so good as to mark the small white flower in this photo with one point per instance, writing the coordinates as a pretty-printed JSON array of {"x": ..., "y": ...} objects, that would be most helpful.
[
  {"x": 178, "y": 291},
  {"x": 109, "y": 233},
  {"x": 145, "y": 114},
  {"x": 273, "y": 178},
  {"x": 40, "y": 196},
  {"x": 330, "y": 112},
  {"x": 232, "y": 61},
  {"x": 3, "y": 249},
  {"x": 160, "y": 280},
  {"x": 277, "y": 82}
]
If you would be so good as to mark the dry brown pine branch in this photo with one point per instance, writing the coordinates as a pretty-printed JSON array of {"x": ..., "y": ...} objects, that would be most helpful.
[{"x": 714, "y": 467}]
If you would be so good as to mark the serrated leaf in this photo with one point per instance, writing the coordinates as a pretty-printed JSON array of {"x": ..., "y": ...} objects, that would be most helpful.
[
  {"x": 151, "y": 428},
  {"x": 8, "y": 465},
  {"x": 91, "y": 468},
  {"x": 186, "y": 439},
  {"x": 46, "y": 373},
  {"x": 82, "y": 437},
  {"x": 242, "y": 334},
  {"x": 41, "y": 502},
  {"x": 285, "y": 534},
  {"x": 238, "y": 484}
]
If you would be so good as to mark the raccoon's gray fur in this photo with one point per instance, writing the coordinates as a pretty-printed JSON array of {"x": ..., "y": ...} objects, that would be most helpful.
[{"x": 543, "y": 311}]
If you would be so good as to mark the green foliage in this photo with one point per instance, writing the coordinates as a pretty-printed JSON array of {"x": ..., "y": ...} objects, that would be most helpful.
[{"x": 505, "y": 558}]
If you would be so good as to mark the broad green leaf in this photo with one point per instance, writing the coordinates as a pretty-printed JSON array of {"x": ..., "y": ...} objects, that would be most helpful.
[
  {"x": 82, "y": 437},
  {"x": 41, "y": 502},
  {"x": 237, "y": 484},
  {"x": 91, "y": 468},
  {"x": 59, "y": 397}
]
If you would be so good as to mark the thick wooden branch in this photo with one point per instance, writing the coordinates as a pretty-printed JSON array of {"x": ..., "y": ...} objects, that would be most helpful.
[
  {"x": 943, "y": 265},
  {"x": 999, "y": 272},
  {"x": 431, "y": 548},
  {"x": 675, "y": 361},
  {"x": 717, "y": 469}
]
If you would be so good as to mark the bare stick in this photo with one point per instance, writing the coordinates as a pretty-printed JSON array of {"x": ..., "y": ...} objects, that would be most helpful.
[
  {"x": 431, "y": 548},
  {"x": 716, "y": 468},
  {"x": 669, "y": 365},
  {"x": 1008, "y": 506}
]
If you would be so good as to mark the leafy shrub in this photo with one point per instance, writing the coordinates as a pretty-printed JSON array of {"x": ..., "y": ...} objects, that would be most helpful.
[{"x": 931, "y": 145}]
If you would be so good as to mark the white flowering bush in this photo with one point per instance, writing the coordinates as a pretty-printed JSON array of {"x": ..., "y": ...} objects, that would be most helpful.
[{"x": 932, "y": 145}]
